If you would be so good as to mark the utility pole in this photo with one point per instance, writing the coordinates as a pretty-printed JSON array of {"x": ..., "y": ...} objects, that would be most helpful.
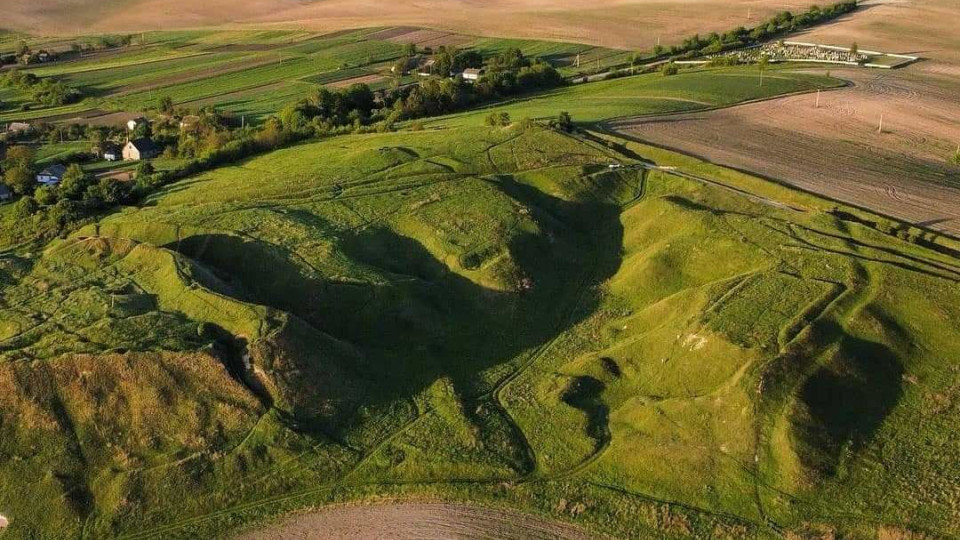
[
  {"x": 880, "y": 129},
  {"x": 578, "y": 60},
  {"x": 818, "y": 99}
]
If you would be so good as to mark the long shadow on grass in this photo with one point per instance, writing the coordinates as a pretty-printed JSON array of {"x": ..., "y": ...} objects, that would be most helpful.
[{"x": 354, "y": 347}]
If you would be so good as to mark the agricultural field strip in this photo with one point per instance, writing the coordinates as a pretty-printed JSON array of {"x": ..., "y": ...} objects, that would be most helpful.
[{"x": 138, "y": 57}]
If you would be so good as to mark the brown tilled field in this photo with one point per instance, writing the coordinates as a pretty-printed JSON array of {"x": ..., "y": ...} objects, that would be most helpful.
[
  {"x": 611, "y": 23},
  {"x": 927, "y": 28},
  {"x": 836, "y": 150},
  {"x": 418, "y": 520}
]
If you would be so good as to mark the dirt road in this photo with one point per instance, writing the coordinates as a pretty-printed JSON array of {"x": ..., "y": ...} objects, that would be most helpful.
[
  {"x": 417, "y": 521},
  {"x": 836, "y": 149}
]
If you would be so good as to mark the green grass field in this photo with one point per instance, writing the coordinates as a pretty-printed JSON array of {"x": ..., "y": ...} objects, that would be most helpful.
[
  {"x": 244, "y": 67},
  {"x": 492, "y": 315},
  {"x": 650, "y": 94},
  {"x": 481, "y": 314}
]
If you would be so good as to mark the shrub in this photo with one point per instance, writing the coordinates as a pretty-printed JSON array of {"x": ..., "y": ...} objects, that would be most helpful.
[
  {"x": 668, "y": 70},
  {"x": 46, "y": 195},
  {"x": 25, "y": 207}
]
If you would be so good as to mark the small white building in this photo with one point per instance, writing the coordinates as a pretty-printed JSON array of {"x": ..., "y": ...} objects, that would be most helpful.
[
  {"x": 132, "y": 124},
  {"x": 111, "y": 152},
  {"x": 472, "y": 74},
  {"x": 52, "y": 175},
  {"x": 4, "y": 522}
]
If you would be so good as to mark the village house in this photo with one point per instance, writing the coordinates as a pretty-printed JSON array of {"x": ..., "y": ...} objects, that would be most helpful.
[
  {"x": 472, "y": 74},
  {"x": 52, "y": 175},
  {"x": 140, "y": 149},
  {"x": 5, "y": 193}
]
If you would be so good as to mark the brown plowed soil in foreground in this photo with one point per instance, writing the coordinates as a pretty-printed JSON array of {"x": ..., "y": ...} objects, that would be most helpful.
[
  {"x": 836, "y": 150},
  {"x": 417, "y": 521}
]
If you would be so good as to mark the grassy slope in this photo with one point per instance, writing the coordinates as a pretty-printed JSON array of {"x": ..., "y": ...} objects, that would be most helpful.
[
  {"x": 650, "y": 94},
  {"x": 426, "y": 312}
]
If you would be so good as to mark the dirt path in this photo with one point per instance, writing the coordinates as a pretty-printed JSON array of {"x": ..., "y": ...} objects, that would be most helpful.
[
  {"x": 836, "y": 149},
  {"x": 416, "y": 521}
]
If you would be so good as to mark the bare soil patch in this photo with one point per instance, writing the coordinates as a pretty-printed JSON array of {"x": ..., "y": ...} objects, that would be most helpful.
[
  {"x": 419, "y": 36},
  {"x": 366, "y": 79},
  {"x": 418, "y": 520},
  {"x": 389, "y": 34},
  {"x": 927, "y": 28},
  {"x": 836, "y": 149}
]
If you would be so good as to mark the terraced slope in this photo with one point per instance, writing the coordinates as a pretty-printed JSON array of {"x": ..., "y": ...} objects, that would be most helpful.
[{"x": 484, "y": 315}]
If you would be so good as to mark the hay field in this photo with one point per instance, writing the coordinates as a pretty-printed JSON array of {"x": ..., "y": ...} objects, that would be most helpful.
[
  {"x": 611, "y": 23},
  {"x": 836, "y": 150}
]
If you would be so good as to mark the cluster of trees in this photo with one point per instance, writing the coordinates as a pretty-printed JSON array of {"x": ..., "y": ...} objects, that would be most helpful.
[
  {"x": 446, "y": 60},
  {"x": 19, "y": 174},
  {"x": 506, "y": 74},
  {"x": 19, "y": 169},
  {"x": 782, "y": 23},
  {"x": 44, "y": 91},
  {"x": 24, "y": 55}
]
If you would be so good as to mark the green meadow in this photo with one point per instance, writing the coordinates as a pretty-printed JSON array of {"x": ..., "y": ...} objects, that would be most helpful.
[
  {"x": 650, "y": 93},
  {"x": 571, "y": 324},
  {"x": 490, "y": 315}
]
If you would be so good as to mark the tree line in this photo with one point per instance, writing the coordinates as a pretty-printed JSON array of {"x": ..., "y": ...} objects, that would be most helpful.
[
  {"x": 782, "y": 23},
  {"x": 506, "y": 74},
  {"x": 43, "y": 91}
]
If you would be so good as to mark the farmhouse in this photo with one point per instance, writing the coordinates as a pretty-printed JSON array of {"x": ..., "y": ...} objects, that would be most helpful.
[
  {"x": 140, "y": 149},
  {"x": 52, "y": 175},
  {"x": 5, "y": 193},
  {"x": 472, "y": 74}
]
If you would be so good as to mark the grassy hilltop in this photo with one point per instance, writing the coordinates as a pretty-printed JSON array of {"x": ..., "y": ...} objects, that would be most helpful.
[{"x": 483, "y": 314}]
